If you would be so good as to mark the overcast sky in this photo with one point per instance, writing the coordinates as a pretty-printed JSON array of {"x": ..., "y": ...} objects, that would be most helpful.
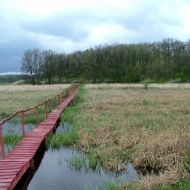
[{"x": 70, "y": 25}]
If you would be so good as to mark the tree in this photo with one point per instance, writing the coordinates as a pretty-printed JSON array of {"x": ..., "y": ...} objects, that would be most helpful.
[
  {"x": 48, "y": 65},
  {"x": 31, "y": 63}
]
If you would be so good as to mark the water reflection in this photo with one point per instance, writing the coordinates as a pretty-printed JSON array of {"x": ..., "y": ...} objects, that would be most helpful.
[{"x": 16, "y": 128}]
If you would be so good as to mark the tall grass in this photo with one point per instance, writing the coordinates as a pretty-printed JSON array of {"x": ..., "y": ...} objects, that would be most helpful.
[
  {"x": 14, "y": 98},
  {"x": 148, "y": 127},
  {"x": 151, "y": 128}
]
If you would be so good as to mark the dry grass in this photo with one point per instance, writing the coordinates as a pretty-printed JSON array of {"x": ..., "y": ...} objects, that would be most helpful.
[
  {"x": 23, "y": 88},
  {"x": 149, "y": 127},
  {"x": 14, "y": 98},
  {"x": 119, "y": 85}
]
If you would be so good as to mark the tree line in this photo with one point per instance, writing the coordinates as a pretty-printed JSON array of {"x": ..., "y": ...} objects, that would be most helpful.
[
  {"x": 11, "y": 78},
  {"x": 168, "y": 60}
]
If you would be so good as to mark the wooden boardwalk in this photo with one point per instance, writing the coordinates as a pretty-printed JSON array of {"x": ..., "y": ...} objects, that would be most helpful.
[{"x": 20, "y": 159}]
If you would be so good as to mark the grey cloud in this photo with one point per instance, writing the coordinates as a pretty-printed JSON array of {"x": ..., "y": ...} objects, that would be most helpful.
[
  {"x": 72, "y": 27},
  {"x": 145, "y": 22},
  {"x": 12, "y": 51}
]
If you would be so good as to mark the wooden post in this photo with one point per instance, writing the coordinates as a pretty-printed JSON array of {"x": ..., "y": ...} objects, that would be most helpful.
[
  {"x": 64, "y": 95},
  {"x": 45, "y": 110},
  {"x": 59, "y": 99},
  {"x": 23, "y": 129},
  {"x": 55, "y": 101},
  {"x": 2, "y": 143},
  {"x": 36, "y": 115},
  {"x": 49, "y": 105}
]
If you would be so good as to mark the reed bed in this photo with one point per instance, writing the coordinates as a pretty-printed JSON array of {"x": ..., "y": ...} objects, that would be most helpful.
[{"x": 150, "y": 128}]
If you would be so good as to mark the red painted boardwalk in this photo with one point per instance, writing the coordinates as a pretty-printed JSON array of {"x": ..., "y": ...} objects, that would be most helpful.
[{"x": 19, "y": 160}]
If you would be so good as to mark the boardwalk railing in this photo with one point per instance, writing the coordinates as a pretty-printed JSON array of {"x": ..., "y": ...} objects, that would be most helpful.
[{"x": 49, "y": 105}]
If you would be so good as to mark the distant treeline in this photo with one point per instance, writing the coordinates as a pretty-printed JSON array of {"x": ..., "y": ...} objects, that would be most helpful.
[
  {"x": 168, "y": 60},
  {"x": 11, "y": 78}
]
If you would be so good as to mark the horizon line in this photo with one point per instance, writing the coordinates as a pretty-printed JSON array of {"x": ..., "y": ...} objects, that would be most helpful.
[{"x": 11, "y": 73}]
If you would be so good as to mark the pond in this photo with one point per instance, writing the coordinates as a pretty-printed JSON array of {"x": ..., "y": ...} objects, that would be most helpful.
[{"x": 56, "y": 172}]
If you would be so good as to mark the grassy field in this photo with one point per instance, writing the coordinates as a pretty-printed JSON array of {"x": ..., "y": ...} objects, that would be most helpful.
[
  {"x": 150, "y": 128},
  {"x": 119, "y": 123},
  {"x": 14, "y": 98}
]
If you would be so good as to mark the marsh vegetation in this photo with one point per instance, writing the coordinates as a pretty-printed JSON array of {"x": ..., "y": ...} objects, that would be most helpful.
[
  {"x": 116, "y": 124},
  {"x": 149, "y": 128}
]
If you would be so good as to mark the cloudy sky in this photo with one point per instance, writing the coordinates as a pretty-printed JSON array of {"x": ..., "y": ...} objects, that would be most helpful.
[{"x": 70, "y": 25}]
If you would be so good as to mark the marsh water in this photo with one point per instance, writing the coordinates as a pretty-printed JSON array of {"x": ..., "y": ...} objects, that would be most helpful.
[
  {"x": 16, "y": 128},
  {"x": 10, "y": 128},
  {"x": 56, "y": 171}
]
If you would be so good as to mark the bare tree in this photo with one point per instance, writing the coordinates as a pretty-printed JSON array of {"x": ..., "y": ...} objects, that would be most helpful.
[{"x": 31, "y": 63}]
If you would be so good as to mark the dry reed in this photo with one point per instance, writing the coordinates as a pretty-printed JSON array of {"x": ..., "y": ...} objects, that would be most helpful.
[{"x": 148, "y": 127}]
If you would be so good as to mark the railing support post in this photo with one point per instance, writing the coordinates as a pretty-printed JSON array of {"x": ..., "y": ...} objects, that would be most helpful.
[
  {"x": 55, "y": 101},
  {"x": 59, "y": 99},
  {"x": 49, "y": 105},
  {"x": 23, "y": 129},
  {"x": 45, "y": 109},
  {"x": 2, "y": 143},
  {"x": 36, "y": 115}
]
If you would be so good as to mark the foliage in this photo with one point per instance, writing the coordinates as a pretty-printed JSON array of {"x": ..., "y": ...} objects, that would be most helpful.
[
  {"x": 131, "y": 63},
  {"x": 10, "y": 79},
  {"x": 146, "y": 83}
]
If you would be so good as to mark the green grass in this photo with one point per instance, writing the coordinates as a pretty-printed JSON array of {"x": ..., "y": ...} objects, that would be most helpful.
[
  {"x": 57, "y": 140},
  {"x": 12, "y": 139},
  {"x": 69, "y": 115},
  {"x": 179, "y": 186},
  {"x": 71, "y": 136},
  {"x": 6, "y": 83},
  {"x": 109, "y": 186},
  {"x": 78, "y": 162},
  {"x": 31, "y": 119}
]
